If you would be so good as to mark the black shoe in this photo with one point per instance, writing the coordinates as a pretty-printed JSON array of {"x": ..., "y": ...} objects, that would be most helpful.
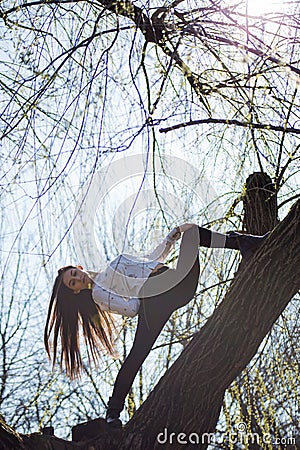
[
  {"x": 114, "y": 408},
  {"x": 248, "y": 243},
  {"x": 113, "y": 422}
]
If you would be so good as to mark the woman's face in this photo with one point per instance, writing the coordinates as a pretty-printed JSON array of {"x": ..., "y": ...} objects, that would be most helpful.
[{"x": 76, "y": 279}]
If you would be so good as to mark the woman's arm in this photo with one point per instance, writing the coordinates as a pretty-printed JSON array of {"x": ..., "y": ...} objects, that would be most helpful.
[
  {"x": 163, "y": 249},
  {"x": 109, "y": 301}
]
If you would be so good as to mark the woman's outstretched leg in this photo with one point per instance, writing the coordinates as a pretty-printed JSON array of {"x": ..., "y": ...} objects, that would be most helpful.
[
  {"x": 247, "y": 244},
  {"x": 188, "y": 261},
  {"x": 193, "y": 237}
]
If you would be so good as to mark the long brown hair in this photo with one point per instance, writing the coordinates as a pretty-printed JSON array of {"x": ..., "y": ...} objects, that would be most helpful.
[{"x": 65, "y": 311}]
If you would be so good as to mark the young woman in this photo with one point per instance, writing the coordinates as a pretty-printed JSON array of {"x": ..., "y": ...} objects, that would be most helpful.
[{"x": 129, "y": 286}]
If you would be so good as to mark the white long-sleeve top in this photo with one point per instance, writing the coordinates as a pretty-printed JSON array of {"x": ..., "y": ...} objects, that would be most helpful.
[{"x": 116, "y": 288}]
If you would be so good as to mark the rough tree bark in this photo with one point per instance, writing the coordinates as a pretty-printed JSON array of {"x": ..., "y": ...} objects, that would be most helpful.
[
  {"x": 188, "y": 398},
  {"x": 260, "y": 204}
]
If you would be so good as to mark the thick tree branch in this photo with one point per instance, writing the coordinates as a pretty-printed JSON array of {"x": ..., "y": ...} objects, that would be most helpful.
[{"x": 258, "y": 126}]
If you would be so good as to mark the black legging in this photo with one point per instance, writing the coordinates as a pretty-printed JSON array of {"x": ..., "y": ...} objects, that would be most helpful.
[{"x": 177, "y": 288}]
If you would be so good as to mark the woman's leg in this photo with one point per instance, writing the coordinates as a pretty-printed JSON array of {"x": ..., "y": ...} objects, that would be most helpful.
[
  {"x": 189, "y": 253},
  {"x": 151, "y": 321},
  {"x": 246, "y": 243},
  {"x": 187, "y": 266}
]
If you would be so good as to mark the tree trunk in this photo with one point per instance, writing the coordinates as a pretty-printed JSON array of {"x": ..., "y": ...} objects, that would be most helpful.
[
  {"x": 188, "y": 398},
  {"x": 260, "y": 204}
]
